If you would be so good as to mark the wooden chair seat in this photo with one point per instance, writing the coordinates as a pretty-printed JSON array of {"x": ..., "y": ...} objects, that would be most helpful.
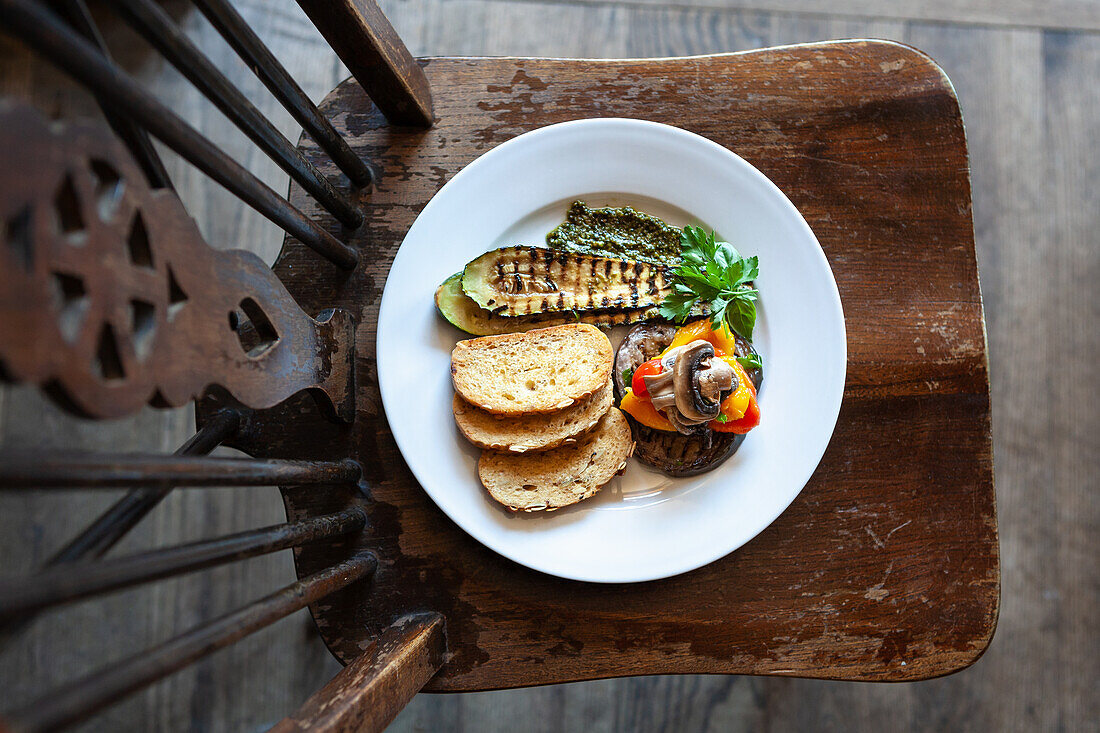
[{"x": 885, "y": 567}]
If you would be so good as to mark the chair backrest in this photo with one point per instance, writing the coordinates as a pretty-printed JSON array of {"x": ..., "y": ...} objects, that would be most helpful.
[{"x": 129, "y": 306}]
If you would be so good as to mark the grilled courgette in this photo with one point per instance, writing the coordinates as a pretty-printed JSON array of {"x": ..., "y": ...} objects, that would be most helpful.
[
  {"x": 518, "y": 281},
  {"x": 466, "y": 315}
]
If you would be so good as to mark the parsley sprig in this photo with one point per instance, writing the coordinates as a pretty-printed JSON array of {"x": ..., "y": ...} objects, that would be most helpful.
[{"x": 715, "y": 273}]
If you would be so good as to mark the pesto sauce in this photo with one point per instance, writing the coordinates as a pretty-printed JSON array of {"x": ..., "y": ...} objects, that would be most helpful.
[{"x": 617, "y": 232}]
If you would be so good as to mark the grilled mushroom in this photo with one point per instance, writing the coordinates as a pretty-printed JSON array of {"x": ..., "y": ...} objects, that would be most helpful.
[
  {"x": 683, "y": 455},
  {"x": 675, "y": 454},
  {"x": 685, "y": 426},
  {"x": 717, "y": 380},
  {"x": 657, "y": 386},
  {"x": 690, "y": 400}
]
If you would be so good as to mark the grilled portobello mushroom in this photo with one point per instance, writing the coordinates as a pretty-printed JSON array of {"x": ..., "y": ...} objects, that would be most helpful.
[
  {"x": 682, "y": 455},
  {"x": 519, "y": 281},
  {"x": 672, "y": 453}
]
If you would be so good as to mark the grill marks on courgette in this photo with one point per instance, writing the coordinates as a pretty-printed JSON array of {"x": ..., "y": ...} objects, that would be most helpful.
[
  {"x": 517, "y": 281},
  {"x": 460, "y": 310}
]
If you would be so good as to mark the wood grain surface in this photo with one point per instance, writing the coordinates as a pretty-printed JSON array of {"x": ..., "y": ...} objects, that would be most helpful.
[
  {"x": 890, "y": 554},
  {"x": 1032, "y": 113}
]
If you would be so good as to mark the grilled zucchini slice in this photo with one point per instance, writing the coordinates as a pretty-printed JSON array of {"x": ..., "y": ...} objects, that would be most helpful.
[
  {"x": 519, "y": 281},
  {"x": 466, "y": 315}
]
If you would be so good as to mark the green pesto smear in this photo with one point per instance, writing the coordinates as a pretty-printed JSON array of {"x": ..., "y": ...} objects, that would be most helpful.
[{"x": 617, "y": 232}]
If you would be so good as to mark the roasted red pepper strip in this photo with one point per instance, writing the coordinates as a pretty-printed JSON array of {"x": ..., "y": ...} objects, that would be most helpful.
[
  {"x": 746, "y": 422},
  {"x": 637, "y": 384}
]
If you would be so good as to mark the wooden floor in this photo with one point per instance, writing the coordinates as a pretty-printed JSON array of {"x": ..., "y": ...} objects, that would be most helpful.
[{"x": 1027, "y": 74}]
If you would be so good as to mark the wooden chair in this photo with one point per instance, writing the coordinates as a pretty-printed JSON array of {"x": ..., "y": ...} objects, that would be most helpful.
[{"x": 886, "y": 566}]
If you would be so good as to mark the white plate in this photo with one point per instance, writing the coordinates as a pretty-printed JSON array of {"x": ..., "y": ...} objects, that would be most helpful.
[{"x": 644, "y": 525}]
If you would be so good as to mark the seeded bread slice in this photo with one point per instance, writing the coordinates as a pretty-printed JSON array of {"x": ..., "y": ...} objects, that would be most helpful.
[
  {"x": 540, "y": 371},
  {"x": 531, "y": 432},
  {"x": 561, "y": 476}
]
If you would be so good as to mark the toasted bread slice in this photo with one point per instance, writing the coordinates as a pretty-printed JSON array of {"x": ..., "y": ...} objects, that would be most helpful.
[
  {"x": 540, "y": 371},
  {"x": 531, "y": 432},
  {"x": 561, "y": 476}
]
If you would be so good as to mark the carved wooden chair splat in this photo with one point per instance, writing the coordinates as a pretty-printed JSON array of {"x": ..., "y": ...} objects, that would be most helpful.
[{"x": 889, "y": 565}]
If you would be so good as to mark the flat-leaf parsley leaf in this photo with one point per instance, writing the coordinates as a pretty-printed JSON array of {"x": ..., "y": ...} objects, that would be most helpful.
[{"x": 714, "y": 273}]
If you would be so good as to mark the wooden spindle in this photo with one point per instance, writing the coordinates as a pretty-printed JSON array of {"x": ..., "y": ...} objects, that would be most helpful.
[
  {"x": 152, "y": 22},
  {"x": 100, "y": 471},
  {"x": 240, "y": 36},
  {"x": 68, "y": 583},
  {"x": 368, "y": 45},
  {"x": 136, "y": 139},
  {"x": 33, "y": 24},
  {"x": 112, "y": 525},
  {"x": 80, "y": 699}
]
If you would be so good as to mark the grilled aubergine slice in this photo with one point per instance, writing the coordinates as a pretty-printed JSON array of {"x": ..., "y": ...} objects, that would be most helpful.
[
  {"x": 519, "y": 281},
  {"x": 672, "y": 453}
]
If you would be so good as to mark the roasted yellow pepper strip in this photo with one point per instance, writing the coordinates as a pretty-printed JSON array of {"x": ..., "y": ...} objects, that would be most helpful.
[
  {"x": 687, "y": 334},
  {"x": 722, "y": 340},
  {"x": 644, "y": 412}
]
